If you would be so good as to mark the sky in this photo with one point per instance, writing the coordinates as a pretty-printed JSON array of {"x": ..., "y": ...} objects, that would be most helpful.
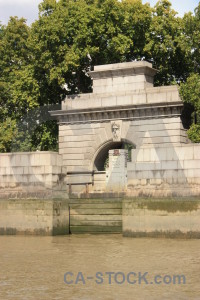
[{"x": 29, "y": 8}]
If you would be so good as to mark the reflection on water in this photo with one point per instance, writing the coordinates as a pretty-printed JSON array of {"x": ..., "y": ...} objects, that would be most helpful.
[{"x": 34, "y": 267}]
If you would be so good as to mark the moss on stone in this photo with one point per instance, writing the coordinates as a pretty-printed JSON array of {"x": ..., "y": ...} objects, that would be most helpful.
[
  {"x": 170, "y": 206},
  {"x": 8, "y": 231},
  {"x": 60, "y": 230},
  {"x": 176, "y": 234}
]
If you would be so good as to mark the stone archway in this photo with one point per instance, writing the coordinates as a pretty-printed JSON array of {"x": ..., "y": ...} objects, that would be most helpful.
[
  {"x": 101, "y": 154},
  {"x": 105, "y": 161}
]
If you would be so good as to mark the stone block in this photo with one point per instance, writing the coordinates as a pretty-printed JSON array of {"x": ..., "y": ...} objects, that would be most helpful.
[
  {"x": 109, "y": 101},
  {"x": 79, "y": 138},
  {"x": 147, "y": 155},
  {"x": 5, "y": 160},
  {"x": 197, "y": 152},
  {"x": 18, "y": 161},
  {"x": 180, "y": 164},
  {"x": 143, "y": 166},
  {"x": 124, "y": 100},
  {"x": 48, "y": 178},
  {"x": 155, "y": 181},
  {"x": 167, "y": 174},
  {"x": 64, "y": 170},
  {"x": 191, "y": 164},
  {"x": 169, "y": 165},
  {"x": 182, "y": 180},
  {"x": 143, "y": 181},
  {"x": 139, "y": 98},
  {"x": 68, "y": 162},
  {"x": 56, "y": 169},
  {"x": 171, "y": 154},
  {"x": 2, "y": 170},
  {"x": 18, "y": 170},
  {"x": 82, "y": 179},
  {"x": 196, "y": 173},
  {"x": 73, "y": 156},
  {"x": 36, "y": 170},
  {"x": 138, "y": 155},
  {"x": 156, "y": 97},
  {"x": 156, "y": 154},
  {"x": 26, "y": 170},
  {"x": 9, "y": 171},
  {"x": 55, "y": 178},
  {"x": 25, "y": 159},
  {"x": 79, "y": 144}
]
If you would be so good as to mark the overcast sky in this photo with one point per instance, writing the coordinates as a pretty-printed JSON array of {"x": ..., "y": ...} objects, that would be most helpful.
[{"x": 29, "y": 8}]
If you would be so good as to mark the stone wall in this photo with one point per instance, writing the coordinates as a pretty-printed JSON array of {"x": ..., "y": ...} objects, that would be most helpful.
[
  {"x": 30, "y": 174},
  {"x": 163, "y": 163},
  {"x": 37, "y": 217},
  {"x": 151, "y": 95},
  {"x": 173, "y": 218},
  {"x": 79, "y": 145},
  {"x": 165, "y": 170}
]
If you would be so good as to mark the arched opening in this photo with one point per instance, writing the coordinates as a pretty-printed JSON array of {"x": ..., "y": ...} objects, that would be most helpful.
[{"x": 102, "y": 156}]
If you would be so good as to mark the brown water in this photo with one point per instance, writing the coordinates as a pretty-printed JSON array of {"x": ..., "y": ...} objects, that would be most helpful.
[{"x": 34, "y": 267}]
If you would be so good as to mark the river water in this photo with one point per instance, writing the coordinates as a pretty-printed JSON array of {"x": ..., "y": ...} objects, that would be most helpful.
[{"x": 34, "y": 268}]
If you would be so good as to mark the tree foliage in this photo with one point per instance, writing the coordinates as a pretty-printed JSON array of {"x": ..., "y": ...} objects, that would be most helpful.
[
  {"x": 164, "y": 45},
  {"x": 42, "y": 63}
]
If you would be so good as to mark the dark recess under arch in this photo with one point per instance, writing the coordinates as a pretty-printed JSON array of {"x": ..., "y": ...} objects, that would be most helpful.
[{"x": 99, "y": 163}]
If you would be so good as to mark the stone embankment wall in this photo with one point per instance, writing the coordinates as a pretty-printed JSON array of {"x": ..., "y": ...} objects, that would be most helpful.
[
  {"x": 34, "y": 217},
  {"x": 174, "y": 218}
]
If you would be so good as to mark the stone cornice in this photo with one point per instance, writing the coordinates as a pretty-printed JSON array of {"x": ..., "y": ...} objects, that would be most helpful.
[
  {"x": 132, "y": 112},
  {"x": 129, "y": 71},
  {"x": 122, "y": 69}
]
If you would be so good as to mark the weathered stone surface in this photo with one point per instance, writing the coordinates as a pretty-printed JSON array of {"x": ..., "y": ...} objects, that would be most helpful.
[
  {"x": 34, "y": 217},
  {"x": 161, "y": 218},
  {"x": 30, "y": 174},
  {"x": 95, "y": 215}
]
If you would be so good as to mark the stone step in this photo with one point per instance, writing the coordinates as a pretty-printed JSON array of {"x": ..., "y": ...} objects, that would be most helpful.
[
  {"x": 97, "y": 211},
  {"x": 95, "y": 229},
  {"x": 95, "y": 206},
  {"x": 111, "y": 223},
  {"x": 96, "y": 218},
  {"x": 95, "y": 215}
]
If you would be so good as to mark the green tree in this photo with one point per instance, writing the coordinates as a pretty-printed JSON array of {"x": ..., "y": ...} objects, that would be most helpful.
[
  {"x": 190, "y": 92},
  {"x": 164, "y": 45},
  {"x": 20, "y": 92},
  {"x": 16, "y": 94},
  {"x": 68, "y": 33},
  {"x": 41, "y": 64}
]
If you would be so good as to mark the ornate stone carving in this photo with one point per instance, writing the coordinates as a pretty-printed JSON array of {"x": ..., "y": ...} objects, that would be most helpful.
[
  {"x": 113, "y": 115},
  {"x": 116, "y": 130}
]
